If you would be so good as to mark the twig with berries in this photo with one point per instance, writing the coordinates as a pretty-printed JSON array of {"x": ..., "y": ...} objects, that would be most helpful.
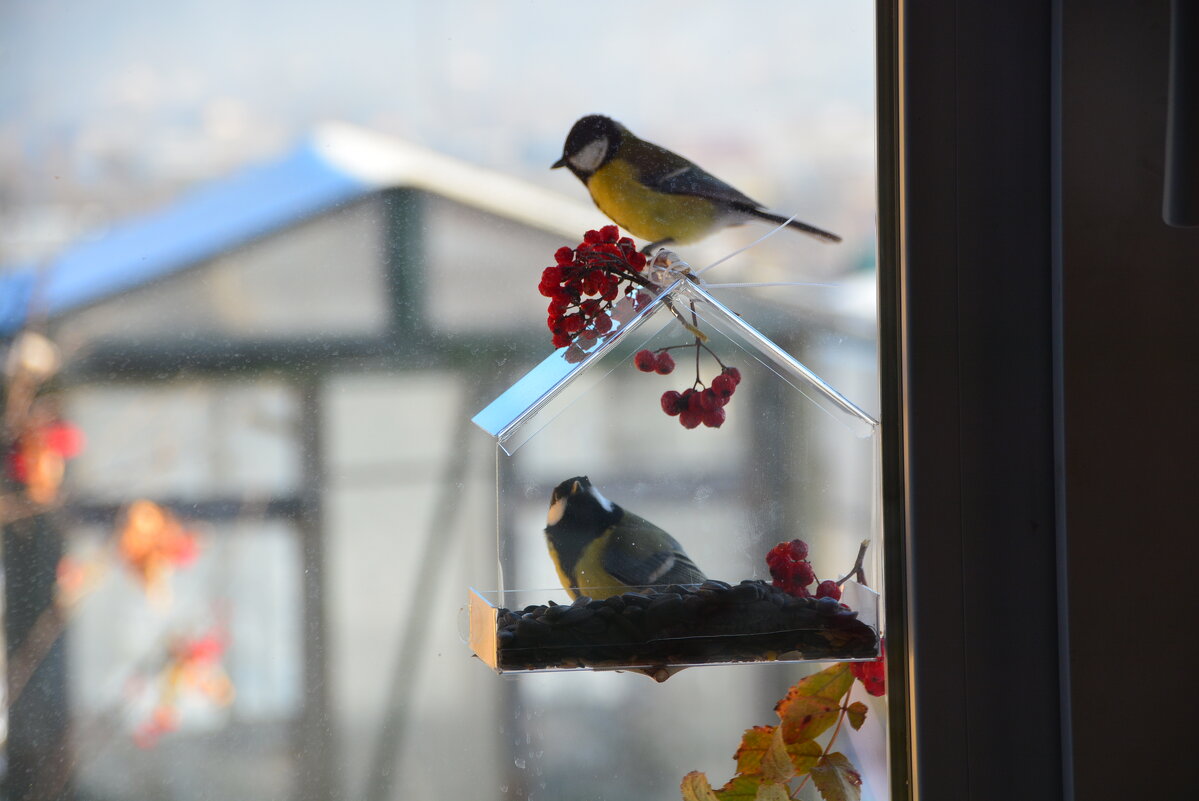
[
  {"x": 793, "y": 573},
  {"x": 598, "y": 286},
  {"x": 584, "y": 286},
  {"x": 779, "y": 761},
  {"x": 698, "y": 403}
]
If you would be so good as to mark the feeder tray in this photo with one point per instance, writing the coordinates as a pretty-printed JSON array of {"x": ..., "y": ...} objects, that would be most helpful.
[{"x": 674, "y": 626}]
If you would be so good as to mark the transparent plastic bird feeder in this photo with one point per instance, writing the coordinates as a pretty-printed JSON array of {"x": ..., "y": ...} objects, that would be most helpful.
[{"x": 651, "y": 481}]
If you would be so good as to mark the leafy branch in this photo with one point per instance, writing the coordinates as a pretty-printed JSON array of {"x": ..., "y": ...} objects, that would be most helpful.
[{"x": 774, "y": 763}]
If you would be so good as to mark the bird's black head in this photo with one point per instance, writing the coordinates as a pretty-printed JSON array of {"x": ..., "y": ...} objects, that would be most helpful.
[
  {"x": 591, "y": 143},
  {"x": 577, "y": 506}
]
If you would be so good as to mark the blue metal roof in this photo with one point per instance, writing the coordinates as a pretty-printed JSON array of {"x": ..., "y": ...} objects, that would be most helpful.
[{"x": 199, "y": 226}]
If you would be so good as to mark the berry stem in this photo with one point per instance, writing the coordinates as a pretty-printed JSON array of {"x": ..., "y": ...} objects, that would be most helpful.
[
  {"x": 857, "y": 571},
  {"x": 712, "y": 353},
  {"x": 694, "y": 330}
]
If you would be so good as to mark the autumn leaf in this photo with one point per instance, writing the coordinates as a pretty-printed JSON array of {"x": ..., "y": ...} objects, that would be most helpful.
[
  {"x": 831, "y": 683},
  {"x": 804, "y": 755},
  {"x": 814, "y": 703},
  {"x": 808, "y": 717},
  {"x": 776, "y": 762},
  {"x": 753, "y": 747},
  {"x": 741, "y": 788},
  {"x": 772, "y": 792},
  {"x": 695, "y": 787},
  {"x": 836, "y": 778},
  {"x": 856, "y": 712}
]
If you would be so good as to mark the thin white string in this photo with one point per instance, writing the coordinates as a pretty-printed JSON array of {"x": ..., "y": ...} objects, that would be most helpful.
[
  {"x": 768, "y": 283},
  {"x": 695, "y": 275},
  {"x": 741, "y": 250}
]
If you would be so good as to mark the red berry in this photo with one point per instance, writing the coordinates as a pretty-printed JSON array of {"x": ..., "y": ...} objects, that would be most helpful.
[
  {"x": 690, "y": 418},
  {"x": 781, "y": 571},
  {"x": 708, "y": 400},
  {"x": 714, "y": 418},
  {"x": 803, "y": 574},
  {"x": 828, "y": 589},
  {"x": 724, "y": 386},
  {"x": 733, "y": 373},
  {"x": 645, "y": 361},
  {"x": 671, "y": 402},
  {"x": 792, "y": 588},
  {"x": 873, "y": 675},
  {"x": 799, "y": 550},
  {"x": 603, "y": 323},
  {"x": 664, "y": 364}
]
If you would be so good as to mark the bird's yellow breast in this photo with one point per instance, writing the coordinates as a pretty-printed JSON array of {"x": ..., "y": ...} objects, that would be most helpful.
[
  {"x": 588, "y": 576},
  {"x": 645, "y": 213}
]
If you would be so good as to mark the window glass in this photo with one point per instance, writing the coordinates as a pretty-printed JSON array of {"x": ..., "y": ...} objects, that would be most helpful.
[
  {"x": 252, "y": 578},
  {"x": 191, "y": 440}
]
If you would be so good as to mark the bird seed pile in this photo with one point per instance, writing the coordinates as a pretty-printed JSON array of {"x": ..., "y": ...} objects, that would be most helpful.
[{"x": 682, "y": 625}]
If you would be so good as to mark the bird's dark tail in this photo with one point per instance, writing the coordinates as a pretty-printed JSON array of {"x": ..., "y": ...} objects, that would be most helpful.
[{"x": 810, "y": 230}]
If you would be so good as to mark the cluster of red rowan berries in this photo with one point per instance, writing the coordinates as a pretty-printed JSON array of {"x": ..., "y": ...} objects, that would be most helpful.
[
  {"x": 696, "y": 404},
  {"x": 599, "y": 285},
  {"x": 793, "y": 573},
  {"x": 584, "y": 285}
]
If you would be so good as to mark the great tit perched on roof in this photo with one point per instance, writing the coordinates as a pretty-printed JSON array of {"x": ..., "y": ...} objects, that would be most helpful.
[
  {"x": 602, "y": 550},
  {"x": 656, "y": 194}
]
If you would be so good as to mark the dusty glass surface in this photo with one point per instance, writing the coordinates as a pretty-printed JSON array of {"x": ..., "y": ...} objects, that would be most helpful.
[{"x": 281, "y": 256}]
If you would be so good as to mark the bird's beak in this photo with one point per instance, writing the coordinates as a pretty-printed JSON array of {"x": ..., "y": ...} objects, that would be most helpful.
[{"x": 559, "y": 163}]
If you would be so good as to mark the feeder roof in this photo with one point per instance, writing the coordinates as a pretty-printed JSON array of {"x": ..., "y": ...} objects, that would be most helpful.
[{"x": 533, "y": 401}]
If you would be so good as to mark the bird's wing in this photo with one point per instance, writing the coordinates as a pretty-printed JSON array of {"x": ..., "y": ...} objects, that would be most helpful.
[
  {"x": 669, "y": 172},
  {"x": 641, "y": 554}
]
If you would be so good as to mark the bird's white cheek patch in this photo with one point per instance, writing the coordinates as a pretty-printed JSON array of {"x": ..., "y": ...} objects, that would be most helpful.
[
  {"x": 590, "y": 157},
  {"x": 557, "y": 509}
]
